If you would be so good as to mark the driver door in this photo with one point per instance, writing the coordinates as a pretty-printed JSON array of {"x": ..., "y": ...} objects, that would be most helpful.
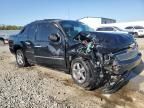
[{"x": 49, "y": 52}]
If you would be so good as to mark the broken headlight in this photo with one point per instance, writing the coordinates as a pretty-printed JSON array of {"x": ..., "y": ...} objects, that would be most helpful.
[
  {"x": 111, "y": 63},
  {"x": 108, "y": 59}
]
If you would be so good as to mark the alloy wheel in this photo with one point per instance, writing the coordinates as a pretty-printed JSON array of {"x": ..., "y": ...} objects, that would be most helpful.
[
  {"x": 79, "y": 72},
  {"x": 20, "y": 58}
]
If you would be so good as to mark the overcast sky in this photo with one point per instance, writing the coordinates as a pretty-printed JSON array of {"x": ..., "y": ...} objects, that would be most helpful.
[{"x": 21, "y": 12}]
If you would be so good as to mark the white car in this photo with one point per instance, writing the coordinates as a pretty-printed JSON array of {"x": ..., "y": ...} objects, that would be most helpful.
[
  {"x": 139, "y": 30},
  {"x": 111, "y": 29}
]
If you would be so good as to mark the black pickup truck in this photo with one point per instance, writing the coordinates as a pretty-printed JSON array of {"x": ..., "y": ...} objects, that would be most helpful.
[{"x": 94, "y": 59}]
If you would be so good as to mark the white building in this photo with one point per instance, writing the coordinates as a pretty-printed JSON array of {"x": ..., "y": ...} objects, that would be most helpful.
[{"x": 95, "y": 22}]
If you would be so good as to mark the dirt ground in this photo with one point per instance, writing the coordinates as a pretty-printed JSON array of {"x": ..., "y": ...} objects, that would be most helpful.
[{"x": 38, "y": 87}]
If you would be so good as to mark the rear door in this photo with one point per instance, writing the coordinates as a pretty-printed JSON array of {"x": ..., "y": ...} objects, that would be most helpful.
[
  {"x": 46, "y": 51},
  {"x": 30, "y": 42},
  {"x": 26, "y": 40}
]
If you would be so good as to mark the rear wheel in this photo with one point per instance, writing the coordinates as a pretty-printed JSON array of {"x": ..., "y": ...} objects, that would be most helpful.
[
  {"x": 21, "y": 59},
  {"x": 84, "y": 75}
]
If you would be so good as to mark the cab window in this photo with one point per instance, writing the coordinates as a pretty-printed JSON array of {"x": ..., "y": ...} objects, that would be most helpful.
[
  {"x": 45, "y": 30},
  {"x": 100, "y": 29}
]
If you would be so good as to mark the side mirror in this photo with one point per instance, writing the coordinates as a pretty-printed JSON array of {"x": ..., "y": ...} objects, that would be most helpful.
[{"x": 54, "y": 37}]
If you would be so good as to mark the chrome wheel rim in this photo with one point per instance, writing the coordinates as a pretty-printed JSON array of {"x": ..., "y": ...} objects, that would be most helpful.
[
  {"x": 20, "y": 58},
  {"x": 79, "y": 72}
]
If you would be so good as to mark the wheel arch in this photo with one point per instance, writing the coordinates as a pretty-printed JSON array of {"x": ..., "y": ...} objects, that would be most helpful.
[
  {"x": 16, "y": 47},
  {"x": 1, "y": 38},
  {"x": 74, "y": 56}
]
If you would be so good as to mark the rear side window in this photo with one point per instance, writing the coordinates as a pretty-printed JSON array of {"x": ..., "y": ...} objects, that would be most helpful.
[
  {"x": 100, "y": 29},
  {"x": 139, "y": 27},
  {"x": 45, "y": 30},
  {"x": 109, "y": 29},
  {"x": 32, "y": 30},
  {"x": 105, "y": 29},
  {"x": 24, "y": 30},
  {"x": 129, "y": 27}
]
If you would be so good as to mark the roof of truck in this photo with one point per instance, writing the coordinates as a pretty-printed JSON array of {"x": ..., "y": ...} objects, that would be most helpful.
[
  {"x": 50, "y": 20},
  {"x": 46, "y": 20}
]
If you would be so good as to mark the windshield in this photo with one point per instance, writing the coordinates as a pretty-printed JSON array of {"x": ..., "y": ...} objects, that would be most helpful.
[{"x": 72, "y": 28}]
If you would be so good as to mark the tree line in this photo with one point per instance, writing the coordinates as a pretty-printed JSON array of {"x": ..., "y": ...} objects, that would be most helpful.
[{"x": 10, "y": 27}]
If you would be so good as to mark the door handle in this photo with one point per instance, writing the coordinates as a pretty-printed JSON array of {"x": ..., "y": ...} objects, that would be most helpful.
[
  {"x": 28, "y": 43},
  {"x": 38, "y": 46}
]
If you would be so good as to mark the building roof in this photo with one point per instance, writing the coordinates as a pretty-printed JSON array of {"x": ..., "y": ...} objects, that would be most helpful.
[{"x": 96, "y": 17}]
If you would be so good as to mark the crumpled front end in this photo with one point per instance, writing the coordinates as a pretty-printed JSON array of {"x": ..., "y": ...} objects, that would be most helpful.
[
  {"x": 113, "y": 59},
  {"x": 118, "y": 66},
  {"x": 122, "y": 61}
]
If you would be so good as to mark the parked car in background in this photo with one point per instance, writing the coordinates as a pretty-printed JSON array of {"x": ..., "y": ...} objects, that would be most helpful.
[
  {"x": 113, "y": 29},
  {"x": 4, "y": 35},
  {"x": 92, "y": 58},
  {"x": 139, "y": 30},
  {"x": 3, "y": 39}
]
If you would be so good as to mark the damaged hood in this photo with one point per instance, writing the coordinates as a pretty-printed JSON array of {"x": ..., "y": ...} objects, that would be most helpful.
[{"x": 111, "y": 42}]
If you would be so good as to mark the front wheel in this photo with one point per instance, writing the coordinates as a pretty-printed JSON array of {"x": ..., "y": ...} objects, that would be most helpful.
[{"x": 84, "y": 74}]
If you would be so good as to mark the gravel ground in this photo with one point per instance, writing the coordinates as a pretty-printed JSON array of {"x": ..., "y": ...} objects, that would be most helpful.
[{"x": 38, "y": 87}]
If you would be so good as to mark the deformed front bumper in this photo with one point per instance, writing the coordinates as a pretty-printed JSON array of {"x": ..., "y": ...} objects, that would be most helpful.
[
  {"x": 126, "y": 68},
  {"x": 125, "y": 62},
  {"x": 129, "y": 64}
]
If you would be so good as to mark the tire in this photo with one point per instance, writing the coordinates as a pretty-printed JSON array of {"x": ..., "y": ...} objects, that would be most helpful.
[
  {"x": 1, "y": 43},
  {"x": 90, "y": 79},
  {"x": 21, "y": 59}
]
